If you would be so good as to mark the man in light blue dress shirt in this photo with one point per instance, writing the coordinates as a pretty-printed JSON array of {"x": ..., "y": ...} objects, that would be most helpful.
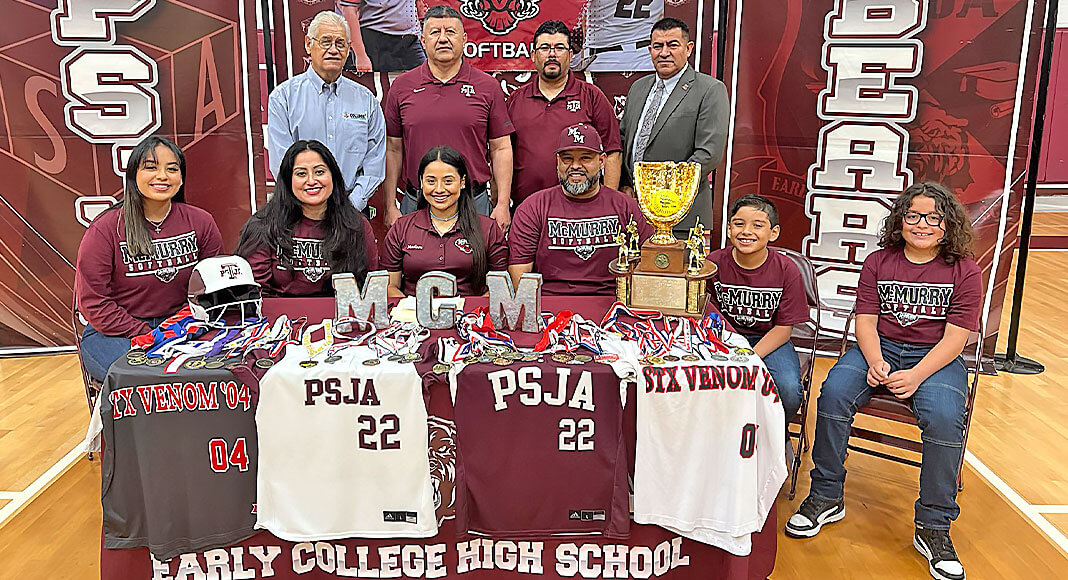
[{"x": 321, "y": 104}]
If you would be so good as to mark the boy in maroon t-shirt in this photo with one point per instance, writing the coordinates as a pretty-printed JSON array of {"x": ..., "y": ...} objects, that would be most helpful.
[
  {"x": 759, "y": 291},
  {"x": 918, "y": 300},
  {"x": 566, "y": 233}
]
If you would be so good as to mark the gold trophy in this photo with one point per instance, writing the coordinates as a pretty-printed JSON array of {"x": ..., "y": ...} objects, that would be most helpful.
[{"x": 667, "y": 275}]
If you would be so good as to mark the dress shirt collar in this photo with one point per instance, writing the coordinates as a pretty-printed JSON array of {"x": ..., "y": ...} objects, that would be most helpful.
[{"x": 320, "y": 84}]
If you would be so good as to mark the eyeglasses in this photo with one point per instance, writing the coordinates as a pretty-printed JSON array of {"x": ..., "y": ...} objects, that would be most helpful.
[
  {"x": 327, "y": 41},
  {"x": 933, "y": 219},
  {"x": 547, "y": 48}
]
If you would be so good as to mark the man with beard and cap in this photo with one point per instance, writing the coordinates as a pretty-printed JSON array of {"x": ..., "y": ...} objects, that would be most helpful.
[
  {"x": 321, "y": 104},
  {"x": 553, "y": 100},
  {"x": 446, "y": 101},
  {"x": 567, "y": 232}
]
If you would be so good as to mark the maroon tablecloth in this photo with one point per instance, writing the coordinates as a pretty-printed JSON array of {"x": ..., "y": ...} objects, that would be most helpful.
[{"x": 650, "y": 551}]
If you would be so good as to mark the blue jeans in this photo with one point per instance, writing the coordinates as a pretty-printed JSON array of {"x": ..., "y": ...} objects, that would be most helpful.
[
  {"x": 99, "y": 350},
  {"x": 785, "y": 369},
  {"x": 939, "y": 405}
]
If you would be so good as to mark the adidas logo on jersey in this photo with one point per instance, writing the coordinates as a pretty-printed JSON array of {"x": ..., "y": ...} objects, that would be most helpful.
[
  {"x": 586, "y": 515},
  {"x": 400, "y": 517}
]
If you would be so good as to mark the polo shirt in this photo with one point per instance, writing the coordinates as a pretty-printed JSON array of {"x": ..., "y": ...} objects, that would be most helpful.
[
  {"x": 308, "y": 272},
  {"x": 571, "y": 241},
  {"x": 413, "y": 247},
  {"x": 539, "y": 121},
  {"x": 464, "y": 112}
]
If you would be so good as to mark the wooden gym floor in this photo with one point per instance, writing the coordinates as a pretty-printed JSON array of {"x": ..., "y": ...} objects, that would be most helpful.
[{"x": 1013, "y": 523}]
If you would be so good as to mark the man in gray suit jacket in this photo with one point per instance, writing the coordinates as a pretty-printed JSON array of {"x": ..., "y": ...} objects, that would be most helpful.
[{"x": 677, "y": 114}]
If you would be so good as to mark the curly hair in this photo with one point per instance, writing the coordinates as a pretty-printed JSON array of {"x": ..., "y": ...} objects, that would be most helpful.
[{"x": 957, "y": 241}]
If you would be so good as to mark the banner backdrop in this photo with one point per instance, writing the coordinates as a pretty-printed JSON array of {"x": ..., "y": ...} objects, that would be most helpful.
[
  {"x": 79, "y": 87},
  {"x": 854, "y": 100}
]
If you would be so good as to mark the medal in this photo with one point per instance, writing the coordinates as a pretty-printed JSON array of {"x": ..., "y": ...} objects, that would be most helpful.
[
  {"x": 606, "y": 358},
  {"x": 412, "y": 357},
  {"x": 691, "y": 357},
  {"x": 441, "y": 368},
  {"x": 307, "y": 364},
  {"x": 530, "y": 357},
  {"x": 332, "y": 358},
  {"x": 154, "y": 361},
  {"x": 739, "y": 358},
  {"x": 394, "y": 357},
  {"x": 194, "y": 363},
  {"x": 502, "y": 362},
  {"x": 583, "y": 358},
  {"x": 719, "y": 357},
  {"x": 263, "y": 363},
  {"x": 742, "y": 351},
  {"x": 470, "y": 360},
  {"x": 371, "y": 362},
  {"x": 486, "y": 358},
  {"x": 656, "y": 360},
  {"x": 671, "y": 358},
  {"x": 136, "y": 362},
  {"x": 215, "y": 363},
  {"x": 562, "y": 357}
]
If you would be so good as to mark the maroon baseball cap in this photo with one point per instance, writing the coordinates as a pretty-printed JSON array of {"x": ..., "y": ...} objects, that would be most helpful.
[{"x": 580, "y": 136}]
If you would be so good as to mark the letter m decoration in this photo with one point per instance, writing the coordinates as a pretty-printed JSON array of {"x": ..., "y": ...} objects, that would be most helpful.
[
  {"x": 500, "y": 17},
  {"x": 575, "y": 134}
]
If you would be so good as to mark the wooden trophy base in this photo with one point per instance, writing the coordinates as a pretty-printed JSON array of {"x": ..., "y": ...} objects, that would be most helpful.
[{"x": 678, "y": 294}]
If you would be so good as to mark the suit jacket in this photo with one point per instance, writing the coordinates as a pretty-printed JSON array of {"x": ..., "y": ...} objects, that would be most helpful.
[{"x": 692, "y": 126}]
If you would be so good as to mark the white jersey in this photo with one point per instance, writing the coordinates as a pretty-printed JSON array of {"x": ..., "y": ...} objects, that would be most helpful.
[
  {"x": 710, "y": 448},
  {"x": 621, "y": 22},
  {"x": 343, "y": 449}
]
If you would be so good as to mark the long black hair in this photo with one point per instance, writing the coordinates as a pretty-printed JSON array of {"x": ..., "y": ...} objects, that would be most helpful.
[
  {"x": 467, "y": 219},
  {"x": 272, "y": 226},
  {"x": 138, "y": 239},
  {"x": 957, "y": 241}
]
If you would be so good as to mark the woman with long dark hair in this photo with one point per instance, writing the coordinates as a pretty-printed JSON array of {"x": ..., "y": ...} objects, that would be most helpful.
[
  {"x": 308, "y": 230},
  {"x": 135, "y": 259},
  {"x": 445, "y": 233}
]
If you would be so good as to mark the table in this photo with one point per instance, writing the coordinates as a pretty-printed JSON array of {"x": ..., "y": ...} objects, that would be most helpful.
[{"x": 650, "y": 551}]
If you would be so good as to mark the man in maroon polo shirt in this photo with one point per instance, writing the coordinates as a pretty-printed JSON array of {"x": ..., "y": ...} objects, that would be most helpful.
[
  {"x": 446, "y": 101},
  {"x": 566, "y": 233},
  {"x": 553, "y": 100}
]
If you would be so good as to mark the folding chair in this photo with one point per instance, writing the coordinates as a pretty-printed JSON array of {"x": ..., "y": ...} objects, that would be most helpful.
[
  {"x": 92, "y": 387},
  {"x": 884, "y": 405},
  {"x": 804, "y": 338}
]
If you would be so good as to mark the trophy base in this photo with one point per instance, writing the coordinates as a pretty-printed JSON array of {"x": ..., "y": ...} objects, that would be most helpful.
[
  {"x": 682, "y": 294},
  {"x": 669, "y": 259}
]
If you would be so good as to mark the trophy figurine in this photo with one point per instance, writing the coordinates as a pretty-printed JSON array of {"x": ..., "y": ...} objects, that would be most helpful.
[
  {"x": 633, "y": 241},
  {"x": 624, "y": 250},
  {"x": 670, "y": 275}
]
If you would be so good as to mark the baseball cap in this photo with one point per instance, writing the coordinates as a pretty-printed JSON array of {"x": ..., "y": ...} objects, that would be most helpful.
[{"x": 580, "y": 136}]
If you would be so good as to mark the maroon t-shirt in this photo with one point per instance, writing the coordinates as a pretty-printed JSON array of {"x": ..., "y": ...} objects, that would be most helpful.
[
  {"x": 464, "y": 112},
  {"x": 308, "y": 274},
  {"x": 115, "y": 289},
  {"x": 539, "y": 121},
  {"x": 915, "y": 301},
  {"x": 570, "y": 241},
  {"x": 754, "y": 301},
  {"x": 413, "y": 247}
]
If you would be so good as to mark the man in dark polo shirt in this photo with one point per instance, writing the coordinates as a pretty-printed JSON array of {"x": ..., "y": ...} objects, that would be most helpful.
[
  {"x": 566, "y": 233},
  {"x": 553, "y": 100},
  {"x": 446, "y": 101}
]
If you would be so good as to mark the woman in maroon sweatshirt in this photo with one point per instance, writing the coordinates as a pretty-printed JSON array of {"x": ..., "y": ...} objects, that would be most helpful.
[
  {"x": 308, "y": 230},
  {"x": 135, "y": 259}
]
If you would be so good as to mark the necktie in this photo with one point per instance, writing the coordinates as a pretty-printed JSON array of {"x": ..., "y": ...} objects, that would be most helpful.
[{"x": 648, "y": 121}]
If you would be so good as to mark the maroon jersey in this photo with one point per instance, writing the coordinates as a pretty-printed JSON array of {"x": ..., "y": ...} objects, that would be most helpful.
[
  {"x": 754, "y": 301},
  {"x": 539, "y": 121},
  {"x": 115, "y": 289},
  {"x": 915, "y": 301},
  {"x": 308, "y": 272},
  {"x": 571, "y": 241},
  {"x": 413, "y": 247},
  {"x": 540, "y": 451},
  {"x": 464, "y": 112}
]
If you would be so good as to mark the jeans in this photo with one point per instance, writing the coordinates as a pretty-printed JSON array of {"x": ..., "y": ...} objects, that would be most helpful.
[
  {"x": 939, "y": 405},
  {"x": 785, "y": 369},
  {"x": 99, "y": 350},
  {"x": 409, "y": 202}
]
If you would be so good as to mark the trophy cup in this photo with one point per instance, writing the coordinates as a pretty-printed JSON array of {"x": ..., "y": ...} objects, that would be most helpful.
[{"x": 667, "y": 275}]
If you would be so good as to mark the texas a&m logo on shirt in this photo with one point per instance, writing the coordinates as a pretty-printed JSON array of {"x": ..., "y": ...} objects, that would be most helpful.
[
  {"x": 746, "y": 305},
  {"x": 908, "y": 302},
  {"x": 574, "y": 105}
]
